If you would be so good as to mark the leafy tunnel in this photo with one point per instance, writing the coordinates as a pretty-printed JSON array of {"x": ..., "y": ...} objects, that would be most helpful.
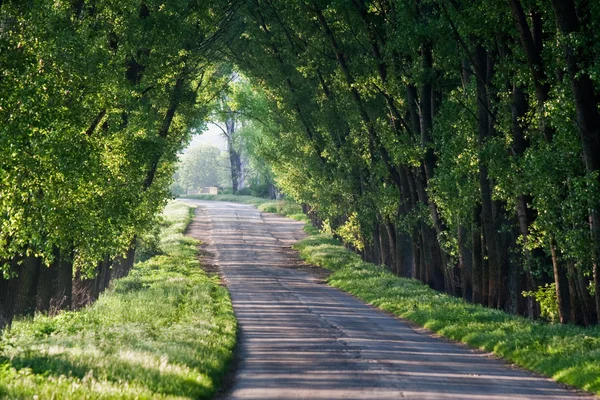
[{"x": 456, "y": 142}]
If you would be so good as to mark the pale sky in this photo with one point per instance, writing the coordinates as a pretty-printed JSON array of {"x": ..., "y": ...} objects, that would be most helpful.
[{"x": 212, "y": 136}]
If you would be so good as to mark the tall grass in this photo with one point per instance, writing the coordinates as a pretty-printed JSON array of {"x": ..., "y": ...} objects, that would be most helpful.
[{"x": 166, "y": 331}]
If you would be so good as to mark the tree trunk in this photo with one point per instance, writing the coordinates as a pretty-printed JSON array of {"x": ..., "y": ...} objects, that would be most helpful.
[
  {"x": 28, "y": 283},
  {"x": 477, "y": 269},
  {"x": 561, "y": 298},
  {"x": 586, "y": 302},
  {"x": 47, "y": 284},
  {"x": 63, "y": 296},
  {"x": 487, "y": 215},
  {"x": 8, "y": 294},
  {"x": 234, "y": 156},
  {"x": 164, "y": 130},
  {"x": 575, "y": 311},
  {"x": 465, "y": 262},
  {"x": 390, "y": 230}
]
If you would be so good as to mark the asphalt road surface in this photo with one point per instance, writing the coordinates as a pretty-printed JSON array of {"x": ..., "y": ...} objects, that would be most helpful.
[{"x": 301, "y": 339}]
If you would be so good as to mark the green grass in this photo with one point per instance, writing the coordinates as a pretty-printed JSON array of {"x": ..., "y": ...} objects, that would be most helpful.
[
  {"x": 167, "y": 331},
  {"x": 569, "y": 354}
]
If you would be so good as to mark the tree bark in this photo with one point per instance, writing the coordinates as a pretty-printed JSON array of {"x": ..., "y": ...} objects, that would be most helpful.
[
  {"x": 28, "y": 283},
  {"x": 477, "y": 271},
  {"x": 487, "y": 215},
  {"x": 62, "y": 297},
  {"x": 8, "y": 294},
  {"x": 561, "y": 298},
  {"x": 235, "y": 160},
  {"x": 164, "y": 130},
  {"x": 46, "y": 285}
]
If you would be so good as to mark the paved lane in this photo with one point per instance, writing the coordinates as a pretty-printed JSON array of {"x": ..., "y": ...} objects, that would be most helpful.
[{"x": 301, "y": 339}]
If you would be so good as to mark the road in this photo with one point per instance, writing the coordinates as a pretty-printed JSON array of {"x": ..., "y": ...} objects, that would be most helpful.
[{"x": 302, "y": 339}]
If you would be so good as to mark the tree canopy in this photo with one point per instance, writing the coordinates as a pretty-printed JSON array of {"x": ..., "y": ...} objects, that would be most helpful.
[{"x": 455, "y": 141}]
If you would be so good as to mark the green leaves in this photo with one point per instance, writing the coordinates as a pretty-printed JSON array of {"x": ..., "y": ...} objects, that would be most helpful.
[{"x": 85, "y": 101}]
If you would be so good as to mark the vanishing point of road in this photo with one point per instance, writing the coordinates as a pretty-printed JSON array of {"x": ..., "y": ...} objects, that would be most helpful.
[{"x": 302, "y": 339}]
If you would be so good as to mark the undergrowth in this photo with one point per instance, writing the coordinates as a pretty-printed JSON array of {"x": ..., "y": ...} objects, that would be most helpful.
[{"x": 166, "y": 331}]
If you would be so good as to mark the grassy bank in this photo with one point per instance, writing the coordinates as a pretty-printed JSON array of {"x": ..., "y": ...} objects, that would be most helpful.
[
  {"x": 166, "y": 331},
  {"x": 568, "y": 354}
]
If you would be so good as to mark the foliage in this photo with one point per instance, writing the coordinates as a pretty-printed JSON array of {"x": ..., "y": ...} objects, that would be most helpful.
[
  {"x": 165, "y": 331},
  {"x": 546, "y": 298},
  {"x": 466, "y": 131},
  {"x": 96, "y": 102},
  {"x": 202, "y": 166}
]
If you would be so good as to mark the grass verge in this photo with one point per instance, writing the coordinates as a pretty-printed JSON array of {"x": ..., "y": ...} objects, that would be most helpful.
[{"x": 166, "y": 331}]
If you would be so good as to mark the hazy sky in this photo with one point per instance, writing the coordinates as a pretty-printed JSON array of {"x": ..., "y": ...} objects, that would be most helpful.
[{"x": 212, "y": 136}]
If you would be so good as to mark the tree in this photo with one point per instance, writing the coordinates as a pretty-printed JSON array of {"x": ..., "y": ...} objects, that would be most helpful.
[
  {"x": 435, "y": 143},
  {"x": 97, "y": 99}
]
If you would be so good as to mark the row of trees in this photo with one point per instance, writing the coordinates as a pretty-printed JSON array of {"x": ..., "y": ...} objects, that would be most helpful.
[
  {"x": 455, "y": 141},
  {"x": 97, "y": 98},
  {"x": 240, "y": 169},
  {"x": 199, "y": 167}
]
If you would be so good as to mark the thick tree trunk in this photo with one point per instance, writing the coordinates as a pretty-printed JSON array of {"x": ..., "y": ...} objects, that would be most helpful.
[
  {"x": 47, "y": 284},
  {"x": 8, "y": 295},
  {"x": 83, "y": 292},
  {"x": 390, "y": 230},
  {"x": 28, "y": 282},
  {"x": 586, "y": 301},
  {"x": 405, "y": 255},
  {"x": 62, "y": 297}
]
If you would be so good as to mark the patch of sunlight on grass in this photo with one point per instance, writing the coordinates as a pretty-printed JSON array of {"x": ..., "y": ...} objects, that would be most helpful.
[{"x": 166, "y": 331}]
